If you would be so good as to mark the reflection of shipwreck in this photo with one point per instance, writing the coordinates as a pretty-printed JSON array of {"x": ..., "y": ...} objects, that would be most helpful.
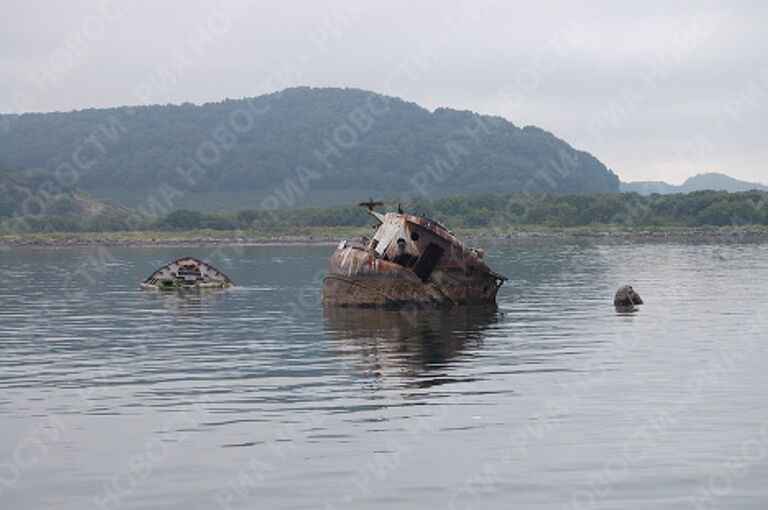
[
  {"x": 409, "y": 259},
  {"x": 187, "y": 273},
  {"x": 411, "y": 341}
]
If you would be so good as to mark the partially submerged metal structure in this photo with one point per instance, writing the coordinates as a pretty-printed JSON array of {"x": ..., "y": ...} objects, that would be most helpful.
[
  {"x": 408, "y": 259},
  {"x": 187, "y": 273}
]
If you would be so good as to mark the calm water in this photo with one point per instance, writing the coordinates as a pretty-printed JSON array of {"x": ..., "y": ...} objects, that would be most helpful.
[{"x": 255, "y": 398}]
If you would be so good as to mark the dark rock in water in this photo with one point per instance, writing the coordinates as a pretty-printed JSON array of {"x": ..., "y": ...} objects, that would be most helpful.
[{"x": 627, "y": 297}]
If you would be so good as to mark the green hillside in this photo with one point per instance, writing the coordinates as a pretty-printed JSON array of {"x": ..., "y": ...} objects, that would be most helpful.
[
  {"x": 625, "y": 211},
  {"x": 31, "y": 200},
  {"x": 301, "y": 147}
]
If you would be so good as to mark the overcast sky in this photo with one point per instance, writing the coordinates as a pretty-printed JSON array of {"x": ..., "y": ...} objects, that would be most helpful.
[{"x": 656, "y": 90}]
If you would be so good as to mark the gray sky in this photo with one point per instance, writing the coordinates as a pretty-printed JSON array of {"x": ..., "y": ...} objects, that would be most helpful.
[{"x": 656, "y": 90}]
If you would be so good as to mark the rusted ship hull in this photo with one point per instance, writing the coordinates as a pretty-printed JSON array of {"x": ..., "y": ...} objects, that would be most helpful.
[
  {"x": 408, "y": 259},
  {"x": 391, "y": 290},
  {"x": 356, "y": 277}
]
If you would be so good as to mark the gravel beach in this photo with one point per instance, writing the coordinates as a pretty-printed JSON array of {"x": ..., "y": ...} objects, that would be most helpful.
[{"x": 472, "y": 237}]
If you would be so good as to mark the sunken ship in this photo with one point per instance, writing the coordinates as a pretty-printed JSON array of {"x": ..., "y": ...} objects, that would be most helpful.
[
  {"x": 186, "y": 273},
  {"x": 408, "y": 260}
]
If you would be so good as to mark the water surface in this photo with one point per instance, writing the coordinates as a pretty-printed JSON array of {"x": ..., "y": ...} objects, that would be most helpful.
[{"x": 257, "y": 398}]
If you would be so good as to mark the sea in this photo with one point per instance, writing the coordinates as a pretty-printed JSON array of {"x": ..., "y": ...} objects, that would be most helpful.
[{"x": 258, "y": 397}]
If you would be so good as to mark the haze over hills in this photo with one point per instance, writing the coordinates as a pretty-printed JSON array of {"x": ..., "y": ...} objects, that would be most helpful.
[
  {"x": 701, "y": 182},
  {"x": 26, "y": 194},
  {"x": 299, "y": 147}
]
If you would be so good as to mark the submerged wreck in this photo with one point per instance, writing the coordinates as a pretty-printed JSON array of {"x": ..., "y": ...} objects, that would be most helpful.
[
  {"x": 408, "y": 260},
  {"x": 186, "y": 273}
]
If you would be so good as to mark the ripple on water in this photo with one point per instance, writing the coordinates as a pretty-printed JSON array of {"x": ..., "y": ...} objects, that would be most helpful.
[{"x": 320, "y": 396}]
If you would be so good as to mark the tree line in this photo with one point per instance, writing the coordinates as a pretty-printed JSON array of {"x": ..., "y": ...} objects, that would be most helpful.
[{"x": 484, "y": 211}]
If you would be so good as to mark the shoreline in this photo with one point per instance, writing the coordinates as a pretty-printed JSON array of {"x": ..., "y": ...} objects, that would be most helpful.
[{"x": 325, "y": 238}]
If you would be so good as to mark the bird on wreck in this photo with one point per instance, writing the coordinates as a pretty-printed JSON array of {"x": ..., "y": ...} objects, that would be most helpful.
[{"x": 408, "y": 260}]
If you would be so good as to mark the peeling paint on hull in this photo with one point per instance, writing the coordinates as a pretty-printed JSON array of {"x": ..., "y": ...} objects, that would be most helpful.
[
  {"x": 186, "y": 273},
  {"x": 409, "y": 260}
]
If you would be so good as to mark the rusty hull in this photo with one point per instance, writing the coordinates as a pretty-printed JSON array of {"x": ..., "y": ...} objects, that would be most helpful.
[{"x": 409, "y": 259}]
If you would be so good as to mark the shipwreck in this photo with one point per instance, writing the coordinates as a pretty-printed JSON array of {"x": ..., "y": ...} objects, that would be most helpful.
[
  {"x": 186, "y": 273},
  {"x": 408, "y": 260}
]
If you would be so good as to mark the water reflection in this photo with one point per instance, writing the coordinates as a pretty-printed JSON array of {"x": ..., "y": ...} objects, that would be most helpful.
[
  {"x": 192, "y": 302},
  {"x": 411, "y": 342},
  {"x": 626, "y": 309},
  {"x": 305, "y": 408}
]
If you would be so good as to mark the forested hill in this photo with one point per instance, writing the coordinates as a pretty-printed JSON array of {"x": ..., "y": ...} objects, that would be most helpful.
[
  {"x": 301, "y": 146},
  {"x": 31, "y": 194}
]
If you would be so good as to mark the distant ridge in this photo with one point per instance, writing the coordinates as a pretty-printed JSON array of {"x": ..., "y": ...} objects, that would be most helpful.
[
  {"x": 302, "y": 147},
  {"x": 701, "y": 182}
]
